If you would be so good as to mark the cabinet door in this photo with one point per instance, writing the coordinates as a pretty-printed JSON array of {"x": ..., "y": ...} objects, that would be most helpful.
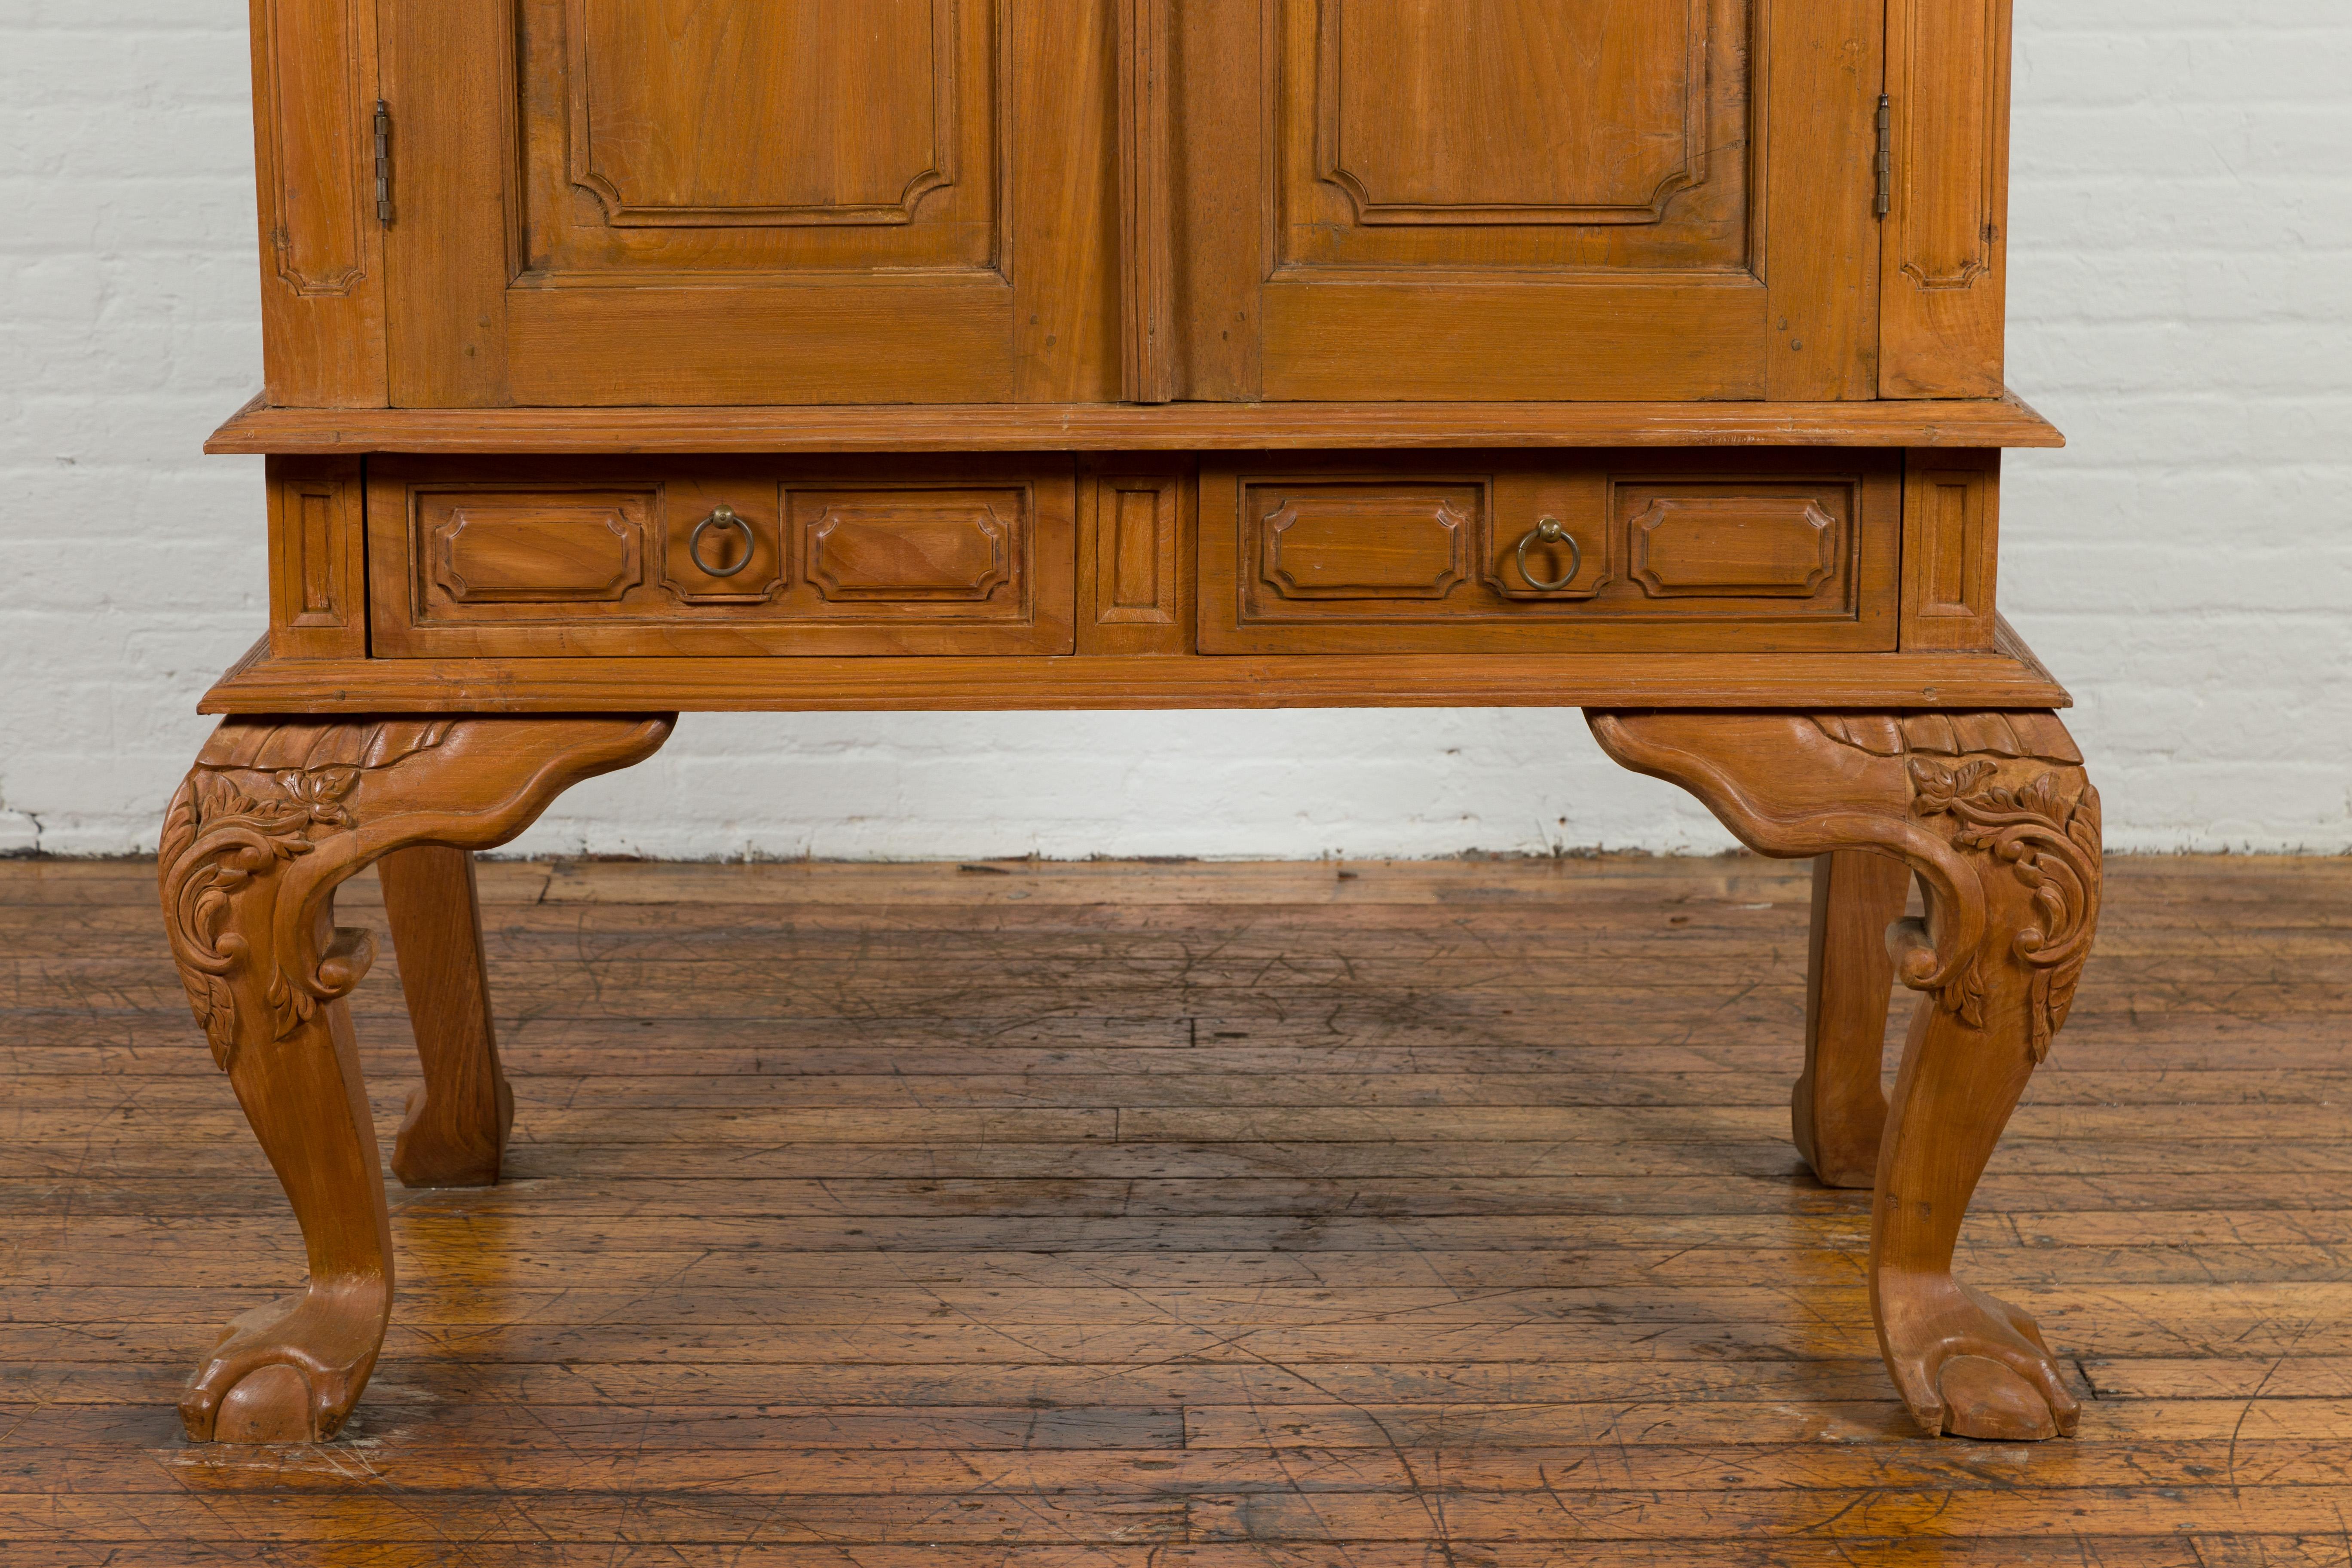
[
  {"x": 613, "y": 201},
  {"x": 1532, "y": 199}
]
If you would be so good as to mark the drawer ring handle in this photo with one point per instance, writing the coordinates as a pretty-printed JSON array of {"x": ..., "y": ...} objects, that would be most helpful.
[
  {"x": 722, "y": 517},
  {"x": 1549, "y": 532}
]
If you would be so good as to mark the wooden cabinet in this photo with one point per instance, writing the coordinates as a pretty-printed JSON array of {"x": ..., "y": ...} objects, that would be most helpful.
[
  {"x": 632, "y": 357},
  {"x": 631, "y": 202}
]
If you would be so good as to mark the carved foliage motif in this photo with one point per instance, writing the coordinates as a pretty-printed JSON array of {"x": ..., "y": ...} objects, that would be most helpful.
[
  {"x": 233, "y": 831},
  {"x": 2009, "y": 790},
  {"x": 2050, "y": 845}
]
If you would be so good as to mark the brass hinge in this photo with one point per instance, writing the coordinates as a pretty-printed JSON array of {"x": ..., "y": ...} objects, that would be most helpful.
[
  {"x": 1885, "y": 155},
  {"x": 383, "y": 163}
]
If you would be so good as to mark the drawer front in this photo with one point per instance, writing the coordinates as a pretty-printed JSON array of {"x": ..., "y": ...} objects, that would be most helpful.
[
  {"x": 721, "y": 557},
  {"x": 1545, "y": 552}
]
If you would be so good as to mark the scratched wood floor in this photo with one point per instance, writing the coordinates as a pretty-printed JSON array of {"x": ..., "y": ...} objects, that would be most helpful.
[{"x": 1248, "y": 1216}]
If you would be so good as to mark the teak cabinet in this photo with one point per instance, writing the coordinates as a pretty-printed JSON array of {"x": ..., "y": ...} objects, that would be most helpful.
[{"x": 633, "y": 356}]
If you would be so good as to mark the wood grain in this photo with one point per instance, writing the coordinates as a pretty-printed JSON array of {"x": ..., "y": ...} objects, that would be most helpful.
[
  {"x": 1348, "y": 1347},
  {"x": 1822, "y": 73},
  {"x": 1839, "y": 1106},
  {"x": 1944, "y": 265},
  {"x": 317, "y": 558},
  {"x": 261, "y": 684},
  {"x": 2005, "y": 421},
  {"x": 1064, "y": 219},
  {"x": 1147, "y": 149},
  {"x": 272, "y": 818},
  {"x": 1515, "y": 341},
  {"x": 322, "y": 292},
  {"x": 1951, "y": 549},
  {"x": 1445, "y": 224},
  {"x": 1384, "y": 554},
  {"x": 917, "y": 556},
  {"x": 454, "y": 1133},
  {"x": 750, "y": 204},
  {"x": 1217, "y": 189}
]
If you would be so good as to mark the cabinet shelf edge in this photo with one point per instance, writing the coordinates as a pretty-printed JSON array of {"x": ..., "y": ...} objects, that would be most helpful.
[
  {"x": 2006, "y": 677},
  {"x": 2004, "y": 422}
]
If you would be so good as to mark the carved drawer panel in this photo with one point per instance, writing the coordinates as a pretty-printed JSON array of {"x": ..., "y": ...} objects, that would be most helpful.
[
  {"x": 721, "y": 556},
  {"x": 1526, "y": 552},
  {"x": 494, "y": 547}
]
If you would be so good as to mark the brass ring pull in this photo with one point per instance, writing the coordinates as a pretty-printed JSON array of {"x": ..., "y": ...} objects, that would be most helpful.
[
  {"x": 1549, "y": 532},
  {"x": 722, "y": 517}
]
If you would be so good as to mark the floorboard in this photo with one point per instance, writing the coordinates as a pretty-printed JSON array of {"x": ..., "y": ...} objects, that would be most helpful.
[{"x": 1116, "y": 1216}]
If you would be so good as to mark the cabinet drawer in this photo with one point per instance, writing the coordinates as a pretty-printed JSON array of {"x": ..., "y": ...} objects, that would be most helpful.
[
  {"x": 722, "y": 556},
  {"x": 1531, "y": 553}
]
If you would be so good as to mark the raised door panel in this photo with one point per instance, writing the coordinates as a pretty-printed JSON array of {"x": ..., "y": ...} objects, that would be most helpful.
[
  {"x": 1742, "y": 539},
  {"x": 693, "y": 136},
  {"x": 1516, "y": 133},
  {"x": 750, "y": 202},
  {"x": 1560, "y": 199}
]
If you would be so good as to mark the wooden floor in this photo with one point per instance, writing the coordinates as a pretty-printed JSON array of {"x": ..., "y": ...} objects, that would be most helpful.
[{"x": 1307, "y": 1217}]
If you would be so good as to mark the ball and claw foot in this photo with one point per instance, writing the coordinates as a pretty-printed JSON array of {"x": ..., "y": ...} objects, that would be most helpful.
[
  {"x": 1972, "y": 1365},
  {"x": 288, "y": 1373}
]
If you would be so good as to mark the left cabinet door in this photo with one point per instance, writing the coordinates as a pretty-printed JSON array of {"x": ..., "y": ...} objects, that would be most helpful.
[{"x": 710, "y": 202}]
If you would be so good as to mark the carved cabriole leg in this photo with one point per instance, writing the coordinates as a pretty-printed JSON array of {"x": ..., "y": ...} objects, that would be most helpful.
[
  {"x": 1839, "y": 1109},
  {"x": 455, "y": 1134},
  {"x": 1995, "y": 815},
  {"x": 274, "y": 814}
]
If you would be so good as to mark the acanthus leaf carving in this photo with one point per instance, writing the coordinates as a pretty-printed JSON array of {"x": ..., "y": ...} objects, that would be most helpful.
[
  {"x": 230, "y": 833},
  {"x": 2052, "y": 848},
  {"x": 1963, "y": 798},
  {"x": 220, "y": 846},
  {"x": 278, "y": 812}
]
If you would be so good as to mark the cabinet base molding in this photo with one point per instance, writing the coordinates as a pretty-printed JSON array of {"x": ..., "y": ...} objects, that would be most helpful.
[{"x": 2009, "y": 676}]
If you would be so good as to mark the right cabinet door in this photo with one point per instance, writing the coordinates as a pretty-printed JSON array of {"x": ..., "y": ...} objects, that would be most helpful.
[{"x": 1530, "y": 199}]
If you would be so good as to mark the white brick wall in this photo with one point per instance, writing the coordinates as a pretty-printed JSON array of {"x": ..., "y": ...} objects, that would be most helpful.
[{"x": 2182, "y": 306}]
